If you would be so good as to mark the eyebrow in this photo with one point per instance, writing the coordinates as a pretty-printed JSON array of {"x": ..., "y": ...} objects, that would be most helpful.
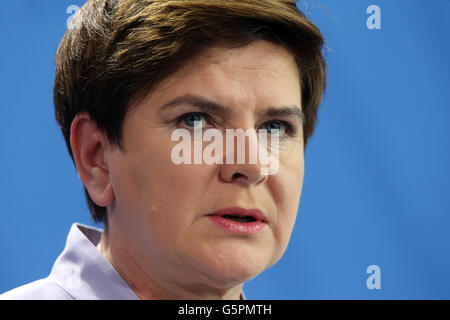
[{"x": 214, "y": 107}]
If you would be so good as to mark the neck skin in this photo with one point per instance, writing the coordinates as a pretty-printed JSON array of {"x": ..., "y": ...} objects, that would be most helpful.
[{"x": 145, "y": 285}]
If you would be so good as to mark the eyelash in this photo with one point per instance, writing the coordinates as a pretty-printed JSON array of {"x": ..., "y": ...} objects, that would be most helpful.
[
  {"x": 290, "y": 131},
  {"x": 184, "y": 116}
]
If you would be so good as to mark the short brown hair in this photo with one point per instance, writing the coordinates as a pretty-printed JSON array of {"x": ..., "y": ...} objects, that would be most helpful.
[{"x": 123, "y": 48}]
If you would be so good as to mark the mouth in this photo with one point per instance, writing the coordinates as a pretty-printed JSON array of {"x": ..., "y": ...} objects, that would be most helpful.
[
  {"x": 239, "y": 220},
  {"x": 241, "y": 215}
]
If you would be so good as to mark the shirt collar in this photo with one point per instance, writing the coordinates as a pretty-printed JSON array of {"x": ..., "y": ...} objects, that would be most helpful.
[{"x": 84, "y": 273}]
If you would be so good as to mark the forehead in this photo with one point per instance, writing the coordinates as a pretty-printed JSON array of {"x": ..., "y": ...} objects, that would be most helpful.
[
  {"x": 261, "y": 65},
  {"x": 248, "y": 78},
  {"x": 260, "y": 56}
]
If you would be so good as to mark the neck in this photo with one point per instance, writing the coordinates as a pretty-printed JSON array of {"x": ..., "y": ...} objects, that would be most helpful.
[{"x": 146, "y": 283}]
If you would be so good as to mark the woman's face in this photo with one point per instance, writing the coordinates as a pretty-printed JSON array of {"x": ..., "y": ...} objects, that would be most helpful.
[{"x": 161, "y": 214}]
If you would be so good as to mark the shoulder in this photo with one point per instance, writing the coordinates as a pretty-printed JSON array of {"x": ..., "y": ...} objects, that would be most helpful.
[{"x": 43, "y": 289}]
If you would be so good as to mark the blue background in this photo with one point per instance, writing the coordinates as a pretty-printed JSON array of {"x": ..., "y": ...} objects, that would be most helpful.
[{"x": 377, "y": 182}]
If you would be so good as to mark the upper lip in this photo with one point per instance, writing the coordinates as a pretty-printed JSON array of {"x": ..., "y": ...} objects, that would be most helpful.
[{"x": 257, "y": 214}]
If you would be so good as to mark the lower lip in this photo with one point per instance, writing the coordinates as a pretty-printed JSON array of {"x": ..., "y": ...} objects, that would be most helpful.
[{"x": 238, "y": 227}]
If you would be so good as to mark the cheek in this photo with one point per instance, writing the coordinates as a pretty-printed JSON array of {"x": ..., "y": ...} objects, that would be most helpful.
[
  {"x": 156, "y": 203},
  {"x": 286, "y": 187},
  {"x": 154, "y": 189},
  {"x": 290, "y": 178}
]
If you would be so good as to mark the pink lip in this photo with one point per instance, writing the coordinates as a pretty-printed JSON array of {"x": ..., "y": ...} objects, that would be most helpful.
[{"x": 236, "y": 226}]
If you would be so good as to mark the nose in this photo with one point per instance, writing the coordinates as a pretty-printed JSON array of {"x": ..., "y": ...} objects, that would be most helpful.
[
  {"x": 243, "y": 174},
  {"x": 241, "y": 169}
]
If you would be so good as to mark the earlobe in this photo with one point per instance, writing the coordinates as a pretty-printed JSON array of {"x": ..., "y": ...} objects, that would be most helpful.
[
  {"x": 105, "y": 198},
  {"x": 88, "y": 145}
]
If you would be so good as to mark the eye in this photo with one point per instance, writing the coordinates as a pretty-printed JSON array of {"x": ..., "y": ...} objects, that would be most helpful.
[
  {"x": 279, "y": 127},
  {"x": 190, "y": 119}
]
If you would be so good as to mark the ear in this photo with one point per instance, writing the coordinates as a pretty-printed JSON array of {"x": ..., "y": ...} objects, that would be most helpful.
[{"x": 88, "y": 147}]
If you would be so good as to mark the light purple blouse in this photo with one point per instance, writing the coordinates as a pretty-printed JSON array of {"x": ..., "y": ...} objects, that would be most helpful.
[{"x": 81, "y": 272}]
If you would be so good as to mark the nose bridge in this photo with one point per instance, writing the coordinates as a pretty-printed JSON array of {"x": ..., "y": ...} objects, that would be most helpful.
[
  {"x": 241, "y": 146},
  {"x": 241, "y": 161}
]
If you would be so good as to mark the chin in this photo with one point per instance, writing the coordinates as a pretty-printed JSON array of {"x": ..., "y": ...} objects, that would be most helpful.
[{"x": 234, "y": 269}]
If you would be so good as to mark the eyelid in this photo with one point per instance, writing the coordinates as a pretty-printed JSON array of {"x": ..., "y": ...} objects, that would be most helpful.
[
  {"x": 205, "y": 115},
  {"x": 290, "y": 128}
]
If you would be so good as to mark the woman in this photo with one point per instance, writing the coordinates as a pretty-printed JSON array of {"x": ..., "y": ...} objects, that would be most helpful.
[{"x": 129, "y": 78}]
